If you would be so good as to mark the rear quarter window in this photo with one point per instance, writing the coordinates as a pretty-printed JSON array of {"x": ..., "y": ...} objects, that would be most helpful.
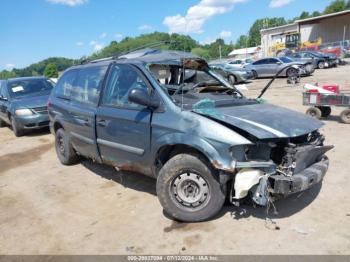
[
  {"x": 87, "y": 87},
  {"x": 81, "y": 85},
  {"x": 65, "y": 84}
]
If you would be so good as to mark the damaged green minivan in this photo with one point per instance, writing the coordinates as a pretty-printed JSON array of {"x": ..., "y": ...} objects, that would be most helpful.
[{"x": 165, "y": 114}]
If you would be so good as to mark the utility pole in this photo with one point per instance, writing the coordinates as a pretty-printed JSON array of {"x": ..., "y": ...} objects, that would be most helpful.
[
  {"x": 220, "y": 52},
  {"x": 344, "y": 34}
]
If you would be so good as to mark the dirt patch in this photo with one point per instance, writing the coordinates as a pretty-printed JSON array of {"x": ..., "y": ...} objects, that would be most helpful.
[
  {"x": 178, "y": 226},
  {"x": 108, "y": 184},
  {"x": 15, "y": 160},
  {"x": 192, "y": 240}
]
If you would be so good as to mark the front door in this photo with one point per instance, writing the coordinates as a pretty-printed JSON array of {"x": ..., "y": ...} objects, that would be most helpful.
[{"x": 124, "y": 128}]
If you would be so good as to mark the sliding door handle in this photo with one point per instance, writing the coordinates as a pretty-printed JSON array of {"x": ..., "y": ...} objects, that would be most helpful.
[{"x": 102, "y": 123}]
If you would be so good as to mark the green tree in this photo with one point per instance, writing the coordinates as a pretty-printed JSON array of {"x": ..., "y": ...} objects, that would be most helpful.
[
  {"x": 242, "y": 42},
  {"x": 51, "y": 71},
  {"x": 201, "y": 52},
  {"x": 7, "y": 74},
  {"x": 304, "y": 15},
  {"x": 254, "y": 31},
  {"x": 315, "y": 13},
  {"x": 336, "y": 6}
]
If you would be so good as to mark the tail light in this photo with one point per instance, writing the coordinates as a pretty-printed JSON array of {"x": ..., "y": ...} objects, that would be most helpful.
[{"x": 48, "y": 105}]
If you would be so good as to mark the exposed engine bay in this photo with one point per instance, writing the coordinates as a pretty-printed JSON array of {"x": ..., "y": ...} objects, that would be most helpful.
[{"x": 280, "y": 167}]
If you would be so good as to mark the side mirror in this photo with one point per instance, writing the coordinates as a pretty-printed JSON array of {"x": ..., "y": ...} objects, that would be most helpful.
[
  {"x": 279, "y": 63},
  {"x": 141, "y": 97}
]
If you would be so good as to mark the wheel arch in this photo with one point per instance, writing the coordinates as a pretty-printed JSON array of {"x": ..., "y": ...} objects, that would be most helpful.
[
  {"x": 177, "y": 144},
  {"x": 57, "y": 125}
]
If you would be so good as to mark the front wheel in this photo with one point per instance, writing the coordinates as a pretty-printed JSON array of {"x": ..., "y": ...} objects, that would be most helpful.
[
  {"x": 17, "y": 130},
  {"x": 321, "y": 65},
  {"x": 292, "y": 72},
  {"x": 188, "y": 189},
  {"x": 232, "y": 79}
]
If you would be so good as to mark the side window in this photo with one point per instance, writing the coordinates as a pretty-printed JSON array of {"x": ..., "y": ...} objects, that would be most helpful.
[
  {"x": 121, "y": 79},
  {"x": 2, "y": 89},
  {"x": 64, "y": 86},
  {"x": 87, "y": 87},
  {"x": 261, "y": 62},
  {"x": 272, "y": 61}
]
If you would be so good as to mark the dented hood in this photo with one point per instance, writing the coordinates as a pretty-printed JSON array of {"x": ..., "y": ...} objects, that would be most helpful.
[{"x": 263, "y": 120}]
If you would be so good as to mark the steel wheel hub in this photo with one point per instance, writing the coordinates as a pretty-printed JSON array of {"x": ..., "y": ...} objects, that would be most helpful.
[
  {"x": 61, "y": 145},
  {"x": 190, "y": 190}
]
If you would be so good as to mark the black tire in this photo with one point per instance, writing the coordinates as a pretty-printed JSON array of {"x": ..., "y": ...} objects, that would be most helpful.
[
  {"x": 314, "y": 112},
  {"x": 325, "y": 111},
  {"x": 232, "y": 79},
  {"x": 292, "y": 72},
  {"x": 197, "y": 177},
  {"x": 2, "y": 123},
  {"x": 255, "y": 74},
  {"x": 64, "y": 150},
  {"x": 16, "y": 128},
  {"x": 321, "y": 65},
  {"x": 345, "y": 116}
]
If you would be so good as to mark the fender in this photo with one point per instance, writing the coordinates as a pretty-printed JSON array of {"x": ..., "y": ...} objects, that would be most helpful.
[{"x": 220, "y": 158}]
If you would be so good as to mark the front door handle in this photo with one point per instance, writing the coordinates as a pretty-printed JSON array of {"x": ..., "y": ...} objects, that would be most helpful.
[
  {"x": 84, "y": 122},
  {"x": 102, "y": 123}
]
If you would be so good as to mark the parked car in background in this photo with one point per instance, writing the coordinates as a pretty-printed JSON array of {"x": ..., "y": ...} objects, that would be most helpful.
[
  {"x": 232, "y": 74},
  {"x": 331, "y": 60},
  {"x": 269, "y": 67},
  {"x": 318, "y": 62},
  {"x": 200, "y": 140},
  {"x": 240, "y": 63},
  {"x": 23, "y": 103}
]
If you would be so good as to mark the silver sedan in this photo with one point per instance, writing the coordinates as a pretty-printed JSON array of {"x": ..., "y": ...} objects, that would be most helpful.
[{"x": 269, "y": 67}]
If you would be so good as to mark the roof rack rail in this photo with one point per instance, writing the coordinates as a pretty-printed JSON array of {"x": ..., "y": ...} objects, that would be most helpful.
[
  {"x": 150, "y": 45},
  {"x": 101, "y": 59},
  {"x": 118, "y": 55}
]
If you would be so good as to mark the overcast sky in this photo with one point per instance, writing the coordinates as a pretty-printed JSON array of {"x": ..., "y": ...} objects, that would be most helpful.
[{"x": 32, "y": 30}]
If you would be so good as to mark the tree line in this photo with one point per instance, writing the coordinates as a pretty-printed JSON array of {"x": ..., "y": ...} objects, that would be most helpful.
[{"x": 52, "y": 66}]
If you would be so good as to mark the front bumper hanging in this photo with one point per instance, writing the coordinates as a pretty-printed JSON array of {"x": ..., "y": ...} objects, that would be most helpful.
[{"x": 285, "y": 185}]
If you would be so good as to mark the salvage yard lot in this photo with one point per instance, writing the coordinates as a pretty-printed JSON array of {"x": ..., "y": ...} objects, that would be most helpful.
[{"x": 47, "y": 208}]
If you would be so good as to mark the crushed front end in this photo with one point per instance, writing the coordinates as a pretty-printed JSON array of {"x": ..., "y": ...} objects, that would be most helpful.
[{"x": 279, "y": 167}]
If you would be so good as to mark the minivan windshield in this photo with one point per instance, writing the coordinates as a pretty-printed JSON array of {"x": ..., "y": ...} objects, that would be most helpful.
[
  {"x": 29, "y": 87},
  {"x": 187, "y": 87}
]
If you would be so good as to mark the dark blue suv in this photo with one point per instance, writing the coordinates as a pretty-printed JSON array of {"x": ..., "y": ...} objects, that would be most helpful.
[
  {"x": 167, "y": 115},
  {"x": 23, "y": 103}
]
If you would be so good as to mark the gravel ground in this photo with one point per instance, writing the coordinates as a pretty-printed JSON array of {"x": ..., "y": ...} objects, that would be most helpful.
[{"x": 47, "y": 208}]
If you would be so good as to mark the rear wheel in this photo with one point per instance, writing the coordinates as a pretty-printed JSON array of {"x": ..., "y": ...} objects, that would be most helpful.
[
  {"x": 325, "y": 111},
  {"x": 321, "y": 65},
  {"x": 232, "y": 79},
  {"x": 17, "y": 130},
  {"x": 255, "y": 74},
  {"x": 2, "y": 123},
  {"x": 65, "y": 151},
  {"x": 314, "y": 112},
  {"x": 345, "y": 116},
  {"x": 188, "y": 190}
]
